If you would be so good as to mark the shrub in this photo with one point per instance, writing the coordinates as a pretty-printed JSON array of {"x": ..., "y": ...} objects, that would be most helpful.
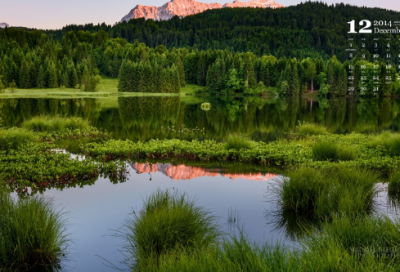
[
  {"x": 32, "y": 232},
  {"x": 51, "y": 124},
  {"x": 15, "y": 137},
  {"x": 238, "y": 142},
  {"x": 169, "y": 221},
  {"x": 310, "y": 129}
]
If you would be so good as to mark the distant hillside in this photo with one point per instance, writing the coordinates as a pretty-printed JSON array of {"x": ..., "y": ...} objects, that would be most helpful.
[
  {"x": 183, "y": 8},
  {"x": 307, "y": 29},
  {"x": 3, "y": 25}
]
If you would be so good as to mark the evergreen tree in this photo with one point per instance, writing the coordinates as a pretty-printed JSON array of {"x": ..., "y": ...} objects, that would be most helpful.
[{"x": 181, "y": 71}]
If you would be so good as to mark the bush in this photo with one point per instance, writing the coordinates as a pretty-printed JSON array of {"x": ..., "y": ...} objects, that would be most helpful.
[
  {"x": 238, "y": 142},
  {"x": 32, "y": 232},
  {"x": 169, "y": 221},
  {"x": 52, "y": 124},
  {"x": 310, "y": 129},
  {"x": 15, "y": 137}
]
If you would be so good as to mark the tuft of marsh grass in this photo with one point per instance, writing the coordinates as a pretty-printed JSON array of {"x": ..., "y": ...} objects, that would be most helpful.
[
  {"x": 32, "y": 232},
  {"x": 328, "y": 151},
  {"x": 238, "y": 142},
  {"x": 310, "y": 129},
  {"x": 169, "y": 221},
  {"x": 300, "y": 189},
  {"x": 241, "y": 254},
  {"x": 394, "y": 184},
  {"x": 322, "y": 192},
  {"x": 13, "y": 138},
  {"x": 52, "y": 124},
  {"x": 389, "y": 141}
]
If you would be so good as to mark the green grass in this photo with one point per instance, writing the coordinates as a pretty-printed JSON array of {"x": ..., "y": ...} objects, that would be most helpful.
[
  {"x": 238, "y": 142},
  {"x": 310, "y": 129},
  {"x": 15, "y": 137},
  {"x": 169, "y": 221},
  {"x": 192, "y": 89},
  {"x": 329, "y": 151},
  {"x": 322, "y": 193},
  {"x": 388, "y": 141},
  {"x": 394, "y": 184},
  {"x": 52, "y": 124},
  {"x": 32, "y": 232}
]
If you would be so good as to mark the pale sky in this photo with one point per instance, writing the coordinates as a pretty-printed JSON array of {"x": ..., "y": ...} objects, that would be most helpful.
[{"x": 54, "y": 14}]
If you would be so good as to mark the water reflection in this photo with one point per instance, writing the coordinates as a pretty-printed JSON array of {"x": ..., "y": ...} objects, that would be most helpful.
[
  {"x": 184, "y": 172},
  {"x": 143, "y": 118}
]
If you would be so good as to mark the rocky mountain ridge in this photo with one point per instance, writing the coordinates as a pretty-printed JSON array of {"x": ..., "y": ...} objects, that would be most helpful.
[{"x": 184, "y": 8}]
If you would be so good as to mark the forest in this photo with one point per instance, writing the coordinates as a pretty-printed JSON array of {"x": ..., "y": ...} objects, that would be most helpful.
[
  {"x": 309, "y": 29},
  {"x": 76, "y": 56}
]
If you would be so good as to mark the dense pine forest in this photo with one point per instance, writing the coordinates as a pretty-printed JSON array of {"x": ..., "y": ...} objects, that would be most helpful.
[
  {"x": 305, "y": 30},
  {"x": 291, "y": 50}
]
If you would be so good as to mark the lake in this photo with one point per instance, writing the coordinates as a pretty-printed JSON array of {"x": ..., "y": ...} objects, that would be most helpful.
[{"x": 240, "y": 197}]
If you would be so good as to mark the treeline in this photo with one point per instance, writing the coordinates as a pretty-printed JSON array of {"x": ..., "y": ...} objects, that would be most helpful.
[
  {"x": 29, "y": 59},
  {"x": 309, "y": 29}
]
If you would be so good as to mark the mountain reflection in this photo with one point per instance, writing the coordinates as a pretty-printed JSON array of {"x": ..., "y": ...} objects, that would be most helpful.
[{"x": 184, "y": 172}]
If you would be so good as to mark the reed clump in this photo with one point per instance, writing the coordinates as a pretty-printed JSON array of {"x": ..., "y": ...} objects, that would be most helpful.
[
  {"x": 394, "y": 184},
  {"x": 329, "y": 151},
  {"x": 324, "y": 192},
  {"x": 169, "y": 221},
  {"x": 305, "y": 129},
  {"x": 32, "y": 232},
  {"x": 55, "y": 124},
  {"x": 389, "y": 142},
  {"x": 13, "y": 138},
  {"x": 238, "y": 142}
]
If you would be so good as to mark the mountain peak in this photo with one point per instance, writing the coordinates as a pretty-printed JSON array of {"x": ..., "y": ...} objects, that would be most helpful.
[
  {"x": 184, "y": 8},
  {"x": 4, "y": 25}
]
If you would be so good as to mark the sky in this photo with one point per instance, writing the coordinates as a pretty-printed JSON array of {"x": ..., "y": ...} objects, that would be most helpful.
[{"x": 54, "y": 14}]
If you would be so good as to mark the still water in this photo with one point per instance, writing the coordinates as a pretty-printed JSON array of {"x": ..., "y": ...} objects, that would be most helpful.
[
  {"x": 239, "y": 199},
  {"x": 145, "y": 118},
  {"x": 95, "y": 211}
]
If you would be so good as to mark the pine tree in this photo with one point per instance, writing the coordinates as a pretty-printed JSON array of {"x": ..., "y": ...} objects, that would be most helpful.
[
  {"x": 40, "y": 82},
  {"x": 51, "y": 76},
  {"x": 181, "y": 71}
]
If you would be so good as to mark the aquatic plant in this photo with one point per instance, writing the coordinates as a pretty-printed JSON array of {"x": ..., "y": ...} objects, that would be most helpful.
[
  {"x": 55, "y": 123},
  {"x": 330, "y": 151},
  {"x": 239, "y": 253},
  {"x": 322, "y": 192},
  {"x": 394, "y": 184},
  {"x": 32, "y": 232},
  {"x": 390, "y": 142},
  {"x": 310, "y": 129},
  {"x": 169, "y": 221},
  {"x": 15, "y": 137},
  {"x": 205, "y": 106},
  {"x": 238, "y": 142}
]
